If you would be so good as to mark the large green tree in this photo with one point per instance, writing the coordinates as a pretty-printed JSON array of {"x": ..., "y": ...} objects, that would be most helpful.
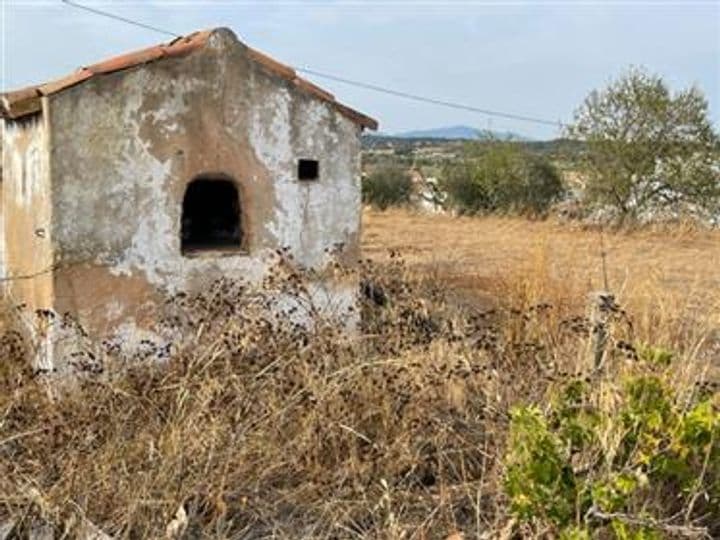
[{"x": 648, "y": 147}]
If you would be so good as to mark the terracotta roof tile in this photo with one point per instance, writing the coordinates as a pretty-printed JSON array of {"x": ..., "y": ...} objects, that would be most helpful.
[
  {"x": 71, "y": 80},
  {"x": 187, "y": 44},
  {"x": 314, "y": 89},
  {"x": 288, "y": 73},
  {"x": 278, "y": 68},
  {"x": 20, "y": 102},
  {"x": 27, "y": 101},
  {"x": 22, "y": 94},
  {"x": 127, "y": 60}
]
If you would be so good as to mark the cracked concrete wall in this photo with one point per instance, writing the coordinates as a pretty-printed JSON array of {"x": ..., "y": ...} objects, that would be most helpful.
[{"x": 126, "y": 145}]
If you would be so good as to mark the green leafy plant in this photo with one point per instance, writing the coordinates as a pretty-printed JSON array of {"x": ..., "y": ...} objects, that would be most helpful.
[
  {"x": 539, "y": 480},
  {"x": 501, "y": 177},
  {"x": 387, "y": 186},
  {"x": 627, "y": 465}
]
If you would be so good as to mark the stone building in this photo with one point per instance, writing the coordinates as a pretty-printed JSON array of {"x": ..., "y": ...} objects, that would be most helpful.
[{"x": 167, "y": 167}]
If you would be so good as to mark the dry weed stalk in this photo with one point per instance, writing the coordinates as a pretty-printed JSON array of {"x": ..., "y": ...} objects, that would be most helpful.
[{"x": 257, "y": 426}]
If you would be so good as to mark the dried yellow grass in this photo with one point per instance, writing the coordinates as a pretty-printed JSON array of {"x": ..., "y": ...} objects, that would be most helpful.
[
  {"x": 260, "y": 430},
  {"x": 667, "y": 276}
]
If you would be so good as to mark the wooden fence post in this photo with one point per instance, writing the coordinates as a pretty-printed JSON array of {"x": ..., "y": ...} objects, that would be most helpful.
[{"x": 602, "y": 306}]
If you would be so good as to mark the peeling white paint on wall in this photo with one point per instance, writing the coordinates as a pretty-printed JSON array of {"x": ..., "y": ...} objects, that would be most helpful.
[
  {"x": 270, "y": 137},
  {"x": 126, "y": 145},
  {"x": 33, "y": 164},
  {"x": 25, "y": 248},
  {"x": 23, "y": 159}
]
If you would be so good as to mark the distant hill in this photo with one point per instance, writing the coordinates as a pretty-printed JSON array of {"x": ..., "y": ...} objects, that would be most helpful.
[
  {"x": 564, "y": 149},
  {"x": 459, "y": 133}
]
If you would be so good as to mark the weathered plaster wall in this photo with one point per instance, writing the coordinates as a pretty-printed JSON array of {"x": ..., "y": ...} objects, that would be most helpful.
[
  {"x": 126, "y": 145},
  {"x": 25, "y": 243}
]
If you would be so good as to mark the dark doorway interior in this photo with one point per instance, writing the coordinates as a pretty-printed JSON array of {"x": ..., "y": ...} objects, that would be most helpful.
[{"x": 211, "y": 216}]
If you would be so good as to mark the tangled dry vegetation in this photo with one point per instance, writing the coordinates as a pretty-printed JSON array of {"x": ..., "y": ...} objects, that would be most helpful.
[{"x": 436, "y": 418}]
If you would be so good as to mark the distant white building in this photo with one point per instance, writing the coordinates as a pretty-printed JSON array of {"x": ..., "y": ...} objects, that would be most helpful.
[{"x": 427, "y": 196}]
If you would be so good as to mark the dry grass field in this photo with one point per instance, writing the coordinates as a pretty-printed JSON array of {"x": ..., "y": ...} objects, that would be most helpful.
[
  {"x": 667, "y": 276},
  {"x": 466, "y": 406}
]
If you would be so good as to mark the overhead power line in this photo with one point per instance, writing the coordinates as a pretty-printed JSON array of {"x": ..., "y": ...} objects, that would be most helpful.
[
  {"x": 120, "y": 18},
  {"x": 359, "y": 84},
  {"x": 432, "y": 101}
]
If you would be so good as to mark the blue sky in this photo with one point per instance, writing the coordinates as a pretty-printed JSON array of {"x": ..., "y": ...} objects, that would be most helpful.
[{"x": 530, "y": 58}]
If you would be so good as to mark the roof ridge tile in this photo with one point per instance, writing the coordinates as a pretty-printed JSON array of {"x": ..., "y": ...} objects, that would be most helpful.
[{"x": 18, "y": 103}]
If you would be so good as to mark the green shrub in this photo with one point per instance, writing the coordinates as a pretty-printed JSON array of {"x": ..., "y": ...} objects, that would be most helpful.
[
  {"x": 466, "y": 192},
  {"x": 648, "y": 147},
  {"x": 501, "y": 177},
  {"x": 622, "y": 456},
  {"x": 387, "y": 186},
  {"x": 539, "y": 479}
]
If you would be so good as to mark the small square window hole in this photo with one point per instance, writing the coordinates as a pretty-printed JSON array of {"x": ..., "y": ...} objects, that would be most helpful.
[{"x": 308, "y": 169}]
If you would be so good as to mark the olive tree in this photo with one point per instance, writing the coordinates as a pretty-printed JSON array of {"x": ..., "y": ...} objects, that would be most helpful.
[
  {"x": 501, "y": 177},
  {"x": 647, "y": 146}
]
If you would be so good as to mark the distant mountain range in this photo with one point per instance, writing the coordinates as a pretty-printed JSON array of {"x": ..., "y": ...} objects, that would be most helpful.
[{"x": 457, "y": 133}]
